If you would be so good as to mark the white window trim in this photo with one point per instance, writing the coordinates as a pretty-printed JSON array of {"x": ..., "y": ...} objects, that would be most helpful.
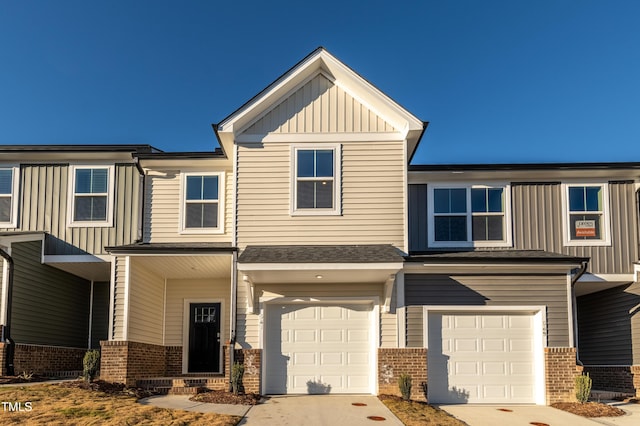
[
  {"x": 221, "y": 207},
  {"x": 337, "y": 181},
  {"x": 15, "y": 188},
  {"x": 71, "y": 222},
  {"x": 606, "y": 218},
  {"x": 506, "y": 242}
]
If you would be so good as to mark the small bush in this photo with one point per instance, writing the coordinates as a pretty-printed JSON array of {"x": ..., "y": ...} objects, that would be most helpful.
[
  {"x": 404, "y": 382},
  {"x": 91, "y": 364},
  {"x": 237, "y": 372},
  {"x": 583, "y": 388}
]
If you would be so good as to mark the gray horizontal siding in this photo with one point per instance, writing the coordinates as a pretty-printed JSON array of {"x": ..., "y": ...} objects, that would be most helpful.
[
  {"x": 488, "y": 290},
  {"x": 43, "y": 207},
  {"x": 609, "y": 326},
  {"x": 50, "y": 307},
  {"x": 100, "y": 314}
]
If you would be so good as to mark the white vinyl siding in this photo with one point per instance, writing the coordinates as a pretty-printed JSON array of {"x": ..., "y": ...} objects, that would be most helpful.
[
  {"x": 146, "y": 296},
  {"x": 163, "y": 205},
  {"x": 372, "y": 197},
  {"x": 193, "y": 289},
  {"x": 119, "y": 298}
]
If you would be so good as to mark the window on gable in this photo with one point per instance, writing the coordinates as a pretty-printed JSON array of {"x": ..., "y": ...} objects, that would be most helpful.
[
  {"x": 469, "y": 216},
  {"x": 201, "y": 202},
  {"x": 7, "y": 197},
  {"x": 315, "y": 182},
  {"x": 586, "y": 214},
  {"x": 92, "y": 195}
]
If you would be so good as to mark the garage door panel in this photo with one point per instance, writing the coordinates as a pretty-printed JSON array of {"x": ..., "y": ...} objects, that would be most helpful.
[
  {"x": 479, "y": 358},
  {"x": 324, "y": 352}
]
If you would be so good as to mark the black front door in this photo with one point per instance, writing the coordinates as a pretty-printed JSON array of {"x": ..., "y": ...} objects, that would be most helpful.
[{"x": 204, "y": 337}]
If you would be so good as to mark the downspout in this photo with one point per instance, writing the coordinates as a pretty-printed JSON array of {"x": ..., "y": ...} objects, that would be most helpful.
[
  {"x": 143, "y": 183},
  {"x": 6, "y": 330},
  {"x": 234, "y": 300},
  {"x": 574, "y": 280}
]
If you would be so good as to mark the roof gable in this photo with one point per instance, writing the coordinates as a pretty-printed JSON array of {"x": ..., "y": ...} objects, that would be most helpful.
[
  {"x": 319, "y": 106},
  {"x": 268, "y": 110}
]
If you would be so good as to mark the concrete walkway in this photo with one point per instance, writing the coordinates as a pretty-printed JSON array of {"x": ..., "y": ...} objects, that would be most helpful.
[
  {"x": 308, "y": 410},
  {"x": 493, "y": 415}
]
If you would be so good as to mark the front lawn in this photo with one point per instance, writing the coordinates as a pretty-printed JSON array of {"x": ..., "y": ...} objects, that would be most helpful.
[
  {"x": 62, "y": 404},
  {"x": 413, "y": 413}
]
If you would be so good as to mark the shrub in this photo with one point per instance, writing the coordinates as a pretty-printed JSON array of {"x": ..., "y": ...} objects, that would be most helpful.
[
  {"x": 237, "y": 372},
  {"x": 583, "y": 388},
  {"x": 91, "y": 364},
  {"x": 404, "y": 382}
]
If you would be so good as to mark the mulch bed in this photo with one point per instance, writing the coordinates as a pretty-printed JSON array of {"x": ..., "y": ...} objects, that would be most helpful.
[
  {"x": 589, "y": 409},
  {"x": 108, "y": 388},
  {"x": 220, "y": 397}
]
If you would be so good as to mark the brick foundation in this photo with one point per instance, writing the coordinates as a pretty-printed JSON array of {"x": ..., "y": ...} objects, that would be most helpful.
[
  {"x": 49, "y": 360},
  {"x": 252, "y": 360},
  {"x": 622, "y": 378},
  {"x": 3, "y": 359},
  {"x": 392, "y": 362},
  {"x": 561, "y": 371},
  {"x": 173, "y": 360}
]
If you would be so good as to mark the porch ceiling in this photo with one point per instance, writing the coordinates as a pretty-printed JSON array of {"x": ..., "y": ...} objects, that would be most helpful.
[
  {"x": 186, "y": 267},
  {"x": 92, "y": 271}
]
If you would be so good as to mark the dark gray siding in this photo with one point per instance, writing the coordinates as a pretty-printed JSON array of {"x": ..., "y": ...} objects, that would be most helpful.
[
  {"x": 537, "y": 224},
  {"x": 609, "y": 326},
  {"x": 488, "y": 290},
  {"x": 100, "y": 320},
  {"x": 50, "y": 307},
  {"x": 43, "y": 207}
]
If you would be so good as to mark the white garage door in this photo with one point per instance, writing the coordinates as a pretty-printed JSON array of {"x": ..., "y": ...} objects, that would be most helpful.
[
  {"x": 318, "y": 349},
  {"x": 481, "y": 358}
]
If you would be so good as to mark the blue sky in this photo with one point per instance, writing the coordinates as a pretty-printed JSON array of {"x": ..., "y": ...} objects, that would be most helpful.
[{"x": 499, "y": 81}]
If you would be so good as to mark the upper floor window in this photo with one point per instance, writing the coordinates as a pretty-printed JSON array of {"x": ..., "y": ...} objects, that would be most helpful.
[
  {"x": 202, "y": 199},
  {"x": 586, "y": 214},
  {"x": 316, "y": 180},
  {"x": 469, "y": 215},
  {"x": 8, "y": 195},
  {"x": 91, "y": 196}
]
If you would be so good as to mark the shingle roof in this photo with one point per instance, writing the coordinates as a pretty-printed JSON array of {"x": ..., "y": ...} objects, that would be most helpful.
[
  {"x": 172, "y": 247},
  {"x": 379, "y": 253},
  {"x": 497, "y": 255}
]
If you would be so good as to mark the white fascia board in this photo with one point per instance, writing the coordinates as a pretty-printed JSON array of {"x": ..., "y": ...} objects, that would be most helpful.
[
  {"x": 609, "y": 277},
  {"x": 484, "y": 267},
  {"x": 7, "y": 240},
  {"x": 82, "y": 258},
  {"x": 317, "y": 266}
]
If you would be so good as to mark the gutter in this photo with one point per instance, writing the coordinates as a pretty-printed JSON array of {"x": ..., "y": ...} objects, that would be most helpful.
[
  {"x": 581, "y": 271},
  {"x": 143, "y": 183},
  {"x": 6, "y": 329}
]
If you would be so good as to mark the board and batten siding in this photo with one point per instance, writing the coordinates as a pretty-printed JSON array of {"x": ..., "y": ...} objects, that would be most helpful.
[
  {"x": 146, "y": 298},
  {"x": 248, "y": 324},
  {"x": 537, "y": 224},
  {"x": 162, "y": 209},
  {"x": 609, "y": 326},
  {"x": 50, "y": 306},
  {"x": 43, "y": 207},
  {"x": 198, "y": 290},
  {"x": 319, "y": 106},
  {"x": 372, "y": 197},
  {"x": 488, "y": 290}
]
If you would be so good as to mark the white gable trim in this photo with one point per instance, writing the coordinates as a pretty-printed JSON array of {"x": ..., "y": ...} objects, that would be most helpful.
[{"x": 321, "y": 137}]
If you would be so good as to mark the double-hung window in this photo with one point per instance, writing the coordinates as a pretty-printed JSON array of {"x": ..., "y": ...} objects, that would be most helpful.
[
  {"x": 586, "y": 214},
  {"x": 316, "y": 180},
  {"x": 8, "y": 196},
  {"x": 202, "y": 199},
  {"x": 469, "y": 216},
  {"x": 91, "y": 196}
]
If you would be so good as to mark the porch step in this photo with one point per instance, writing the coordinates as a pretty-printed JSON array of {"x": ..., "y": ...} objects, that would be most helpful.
[
  {"x": 600, "y": 395},
  {"x": 182, "y": 385}
]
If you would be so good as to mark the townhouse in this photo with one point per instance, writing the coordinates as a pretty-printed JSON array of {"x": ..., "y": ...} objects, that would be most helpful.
[{"x": 307, "y": 248}]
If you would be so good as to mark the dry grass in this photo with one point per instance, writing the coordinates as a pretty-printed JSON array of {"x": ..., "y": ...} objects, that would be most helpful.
[
  {"x": 57, "y": 405},
  {"x": 413, "y": 413}
]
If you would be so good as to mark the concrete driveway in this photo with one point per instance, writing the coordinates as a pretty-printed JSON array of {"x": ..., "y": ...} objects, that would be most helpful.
[
  {"x": 515, "y": 415},
  {"x": 311, "y": 410}
]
